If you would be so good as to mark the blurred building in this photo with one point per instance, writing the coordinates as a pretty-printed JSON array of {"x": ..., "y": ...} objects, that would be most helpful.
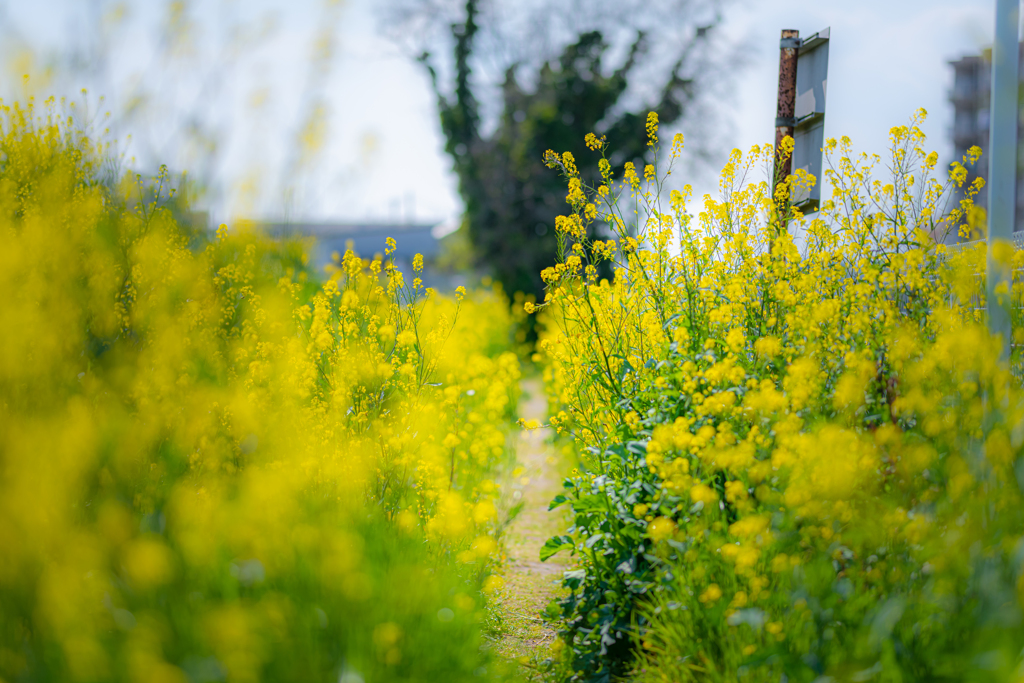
[
  {"x": 369, "y": 240},
  {"x": 970, "y": 97},
  {"x": 366, "y": 239}
]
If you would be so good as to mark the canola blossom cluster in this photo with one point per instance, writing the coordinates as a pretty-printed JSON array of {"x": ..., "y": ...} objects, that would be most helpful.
[
  {"x": 216, "y": 464},
  {"x": 800, "y": 453}
]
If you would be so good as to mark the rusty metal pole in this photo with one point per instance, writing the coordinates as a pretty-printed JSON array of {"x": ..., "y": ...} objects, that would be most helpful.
[{"x": 785, "y": 114}]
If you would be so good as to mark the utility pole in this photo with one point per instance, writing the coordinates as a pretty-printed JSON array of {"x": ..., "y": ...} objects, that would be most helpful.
[
  {"x": 1002, "y": 169},
  {"x": 785, "y": 114}
]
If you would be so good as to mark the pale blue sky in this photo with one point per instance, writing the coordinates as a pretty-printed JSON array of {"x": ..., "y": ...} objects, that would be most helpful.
[{"x": 383, "y": 157}]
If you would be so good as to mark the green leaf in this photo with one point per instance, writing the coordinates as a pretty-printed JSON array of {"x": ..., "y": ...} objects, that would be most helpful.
[
  {"x": 514, "y": 511},
  {"x": 553, "y": 546},
  {"x": 557, "y": 501},
  {"x": 590, "y": 504}
]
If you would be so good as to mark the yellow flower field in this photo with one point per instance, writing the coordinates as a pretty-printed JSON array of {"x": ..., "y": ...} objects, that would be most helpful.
[
  {"x": 799, "y": 452},
  {"x": 217, "y": 465}
]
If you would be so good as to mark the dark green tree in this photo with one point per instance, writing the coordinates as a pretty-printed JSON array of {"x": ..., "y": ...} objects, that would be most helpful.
[{"x": 511, "y": 198}]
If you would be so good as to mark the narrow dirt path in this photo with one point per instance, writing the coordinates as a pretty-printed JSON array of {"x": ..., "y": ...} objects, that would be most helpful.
[{"x": 529, "y": 583}]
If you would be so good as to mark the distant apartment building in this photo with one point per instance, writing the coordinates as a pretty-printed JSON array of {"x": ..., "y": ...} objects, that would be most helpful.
[
  {"x": 366, "y": 239},
  {"x": 369, "y": 240},
  {"x": 970, "y": 97}
]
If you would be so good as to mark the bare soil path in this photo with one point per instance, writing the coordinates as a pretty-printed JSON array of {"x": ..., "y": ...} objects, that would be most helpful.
[{"x": 529, "y": 583}]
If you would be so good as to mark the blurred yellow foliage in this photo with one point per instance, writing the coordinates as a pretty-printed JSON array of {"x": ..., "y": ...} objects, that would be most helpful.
[{"x": 208, "y": 459}]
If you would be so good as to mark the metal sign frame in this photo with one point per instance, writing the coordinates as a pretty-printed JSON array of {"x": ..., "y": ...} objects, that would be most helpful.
[{"x": 809, "y": 117}]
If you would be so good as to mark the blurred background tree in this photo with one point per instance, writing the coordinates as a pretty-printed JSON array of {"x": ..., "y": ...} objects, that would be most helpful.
[{"x": 519, "y": 82}]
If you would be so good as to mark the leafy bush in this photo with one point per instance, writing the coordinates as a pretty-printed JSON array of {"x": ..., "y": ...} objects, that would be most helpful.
[
  {"x": 800, "y": 455},
  {"x": 213, "y": 467}
]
